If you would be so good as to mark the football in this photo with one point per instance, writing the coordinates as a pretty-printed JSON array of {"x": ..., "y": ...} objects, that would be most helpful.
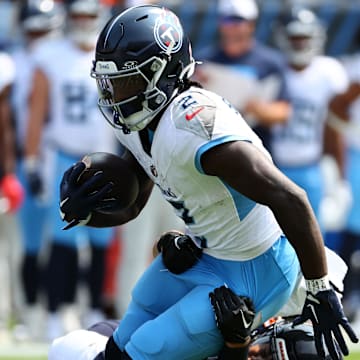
[{"x": 117, "y": 171}]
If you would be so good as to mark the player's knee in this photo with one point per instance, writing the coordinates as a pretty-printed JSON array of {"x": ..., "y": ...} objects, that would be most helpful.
[{"x": 145, "y": 343}]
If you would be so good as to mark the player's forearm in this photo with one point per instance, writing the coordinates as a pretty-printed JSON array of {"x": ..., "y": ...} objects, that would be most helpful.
[
  {"x": 296, "y": 218},
  {"x": 38, "y": 110},
  {"x": 7, "y": 134},
  {"x": 8, "y": 152},
  {"x": 33, "y": 135},
  {"x": 269, "y": 113},
  {"x": 334, "y": 145}
]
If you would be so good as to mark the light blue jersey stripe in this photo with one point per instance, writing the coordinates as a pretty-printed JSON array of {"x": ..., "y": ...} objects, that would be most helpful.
[
  {"x": 209, "y": 145},
  {"x": 243, "y": 204}
]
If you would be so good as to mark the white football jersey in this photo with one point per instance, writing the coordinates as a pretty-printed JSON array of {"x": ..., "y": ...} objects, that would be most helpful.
[
  {"x": 353, "y": 135},
  {"x": 226, "y": 223},
  {"x": 7, "y": 70},
  {"x": 75, "y": 123},
  {"x": 300, "y": 141}
]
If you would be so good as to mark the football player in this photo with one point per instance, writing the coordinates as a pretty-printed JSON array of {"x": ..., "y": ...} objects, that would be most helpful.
[
  {"x": 313, "y": 80},
  {"x": 39, "y": 21},
  {"x": 11, "y": 191},
  {"x": 347, "y": 120},
  {"x": 63, "y": 103},
  {"x": 268, "y": 341},
  {"x": 255, "y": 227}
]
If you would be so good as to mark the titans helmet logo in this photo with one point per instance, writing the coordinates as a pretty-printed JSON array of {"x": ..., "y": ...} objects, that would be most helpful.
[{"x": 168, "y": 32}]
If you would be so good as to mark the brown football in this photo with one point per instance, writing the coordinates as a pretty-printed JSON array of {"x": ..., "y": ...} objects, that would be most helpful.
[{"x": 117, "y": 171}]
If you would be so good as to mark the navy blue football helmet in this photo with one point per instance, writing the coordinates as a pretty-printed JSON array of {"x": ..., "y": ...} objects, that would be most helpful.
[
  {"x": 283, "y": 341},
  {"x": 41, "y": 16},
  {"x": 142, "y": 58}
]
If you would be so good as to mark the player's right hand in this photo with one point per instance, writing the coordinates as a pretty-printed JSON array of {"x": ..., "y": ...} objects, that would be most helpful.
[
  {"x": 234, "y": 315},
  {"x": 78, "y": 201}
]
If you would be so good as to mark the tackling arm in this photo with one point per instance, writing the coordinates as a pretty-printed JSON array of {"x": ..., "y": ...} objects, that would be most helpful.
[{"x": 38, "y": 110}]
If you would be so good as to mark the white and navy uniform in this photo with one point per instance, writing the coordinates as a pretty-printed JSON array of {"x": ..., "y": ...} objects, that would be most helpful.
[
  {"x": 243, "y": 244},
  {"x": 33, "y": 214},
  {"x": 297, "y": 146},
  {"x": 89, "y": 344},
  {"x": 353, "y": 146},
  {"x": 75, "y": 125}
]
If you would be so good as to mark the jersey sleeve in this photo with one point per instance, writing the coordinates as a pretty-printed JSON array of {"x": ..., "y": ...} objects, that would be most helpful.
[
  {"x": 339, "y": 77},
  {"x": 205, "y": 120},
  {"x": 7, "y": 71}
]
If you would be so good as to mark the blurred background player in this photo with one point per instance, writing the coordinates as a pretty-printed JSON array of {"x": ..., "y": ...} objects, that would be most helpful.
[
  {"x": 346, "y": 119},
  {"x": 40, "y": 21},
  {"x": 298, "y": 145},
  {"x": 239, "y": 51},
  {"x": 65, "y": 96},
  {"x": 11, "y": 192}
]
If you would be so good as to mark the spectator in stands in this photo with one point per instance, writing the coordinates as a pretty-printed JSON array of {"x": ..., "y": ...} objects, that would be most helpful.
[{"x": 239, "y": 50}]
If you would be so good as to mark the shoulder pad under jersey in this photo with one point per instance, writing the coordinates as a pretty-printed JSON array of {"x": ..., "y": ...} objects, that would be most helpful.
[{"x": 194, "y": 111}]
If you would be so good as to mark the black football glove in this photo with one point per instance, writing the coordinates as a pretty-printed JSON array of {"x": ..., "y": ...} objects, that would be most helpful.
[
  {"x": 35, "y": 183},
  {"x": 77, "y": 202},
  {"x": 326, "y": 314},
  {"x": 179, "y": 252},
  {"x": 33, "y": 177},
  {"x": 234, "y": 314}
]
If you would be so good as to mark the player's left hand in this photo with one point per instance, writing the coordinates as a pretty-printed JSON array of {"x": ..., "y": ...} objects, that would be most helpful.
[
  {"x": 77, "y": 202},
  {"x": 326, "y": 314},
  {"x": 234, "y": 315}
]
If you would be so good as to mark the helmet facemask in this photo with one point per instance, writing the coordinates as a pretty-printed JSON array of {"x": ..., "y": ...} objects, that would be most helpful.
[{"x": 130, "y": 98}]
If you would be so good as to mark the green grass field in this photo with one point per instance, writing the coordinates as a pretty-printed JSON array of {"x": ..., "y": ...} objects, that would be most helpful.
[{"x": 39, "y": 351}]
